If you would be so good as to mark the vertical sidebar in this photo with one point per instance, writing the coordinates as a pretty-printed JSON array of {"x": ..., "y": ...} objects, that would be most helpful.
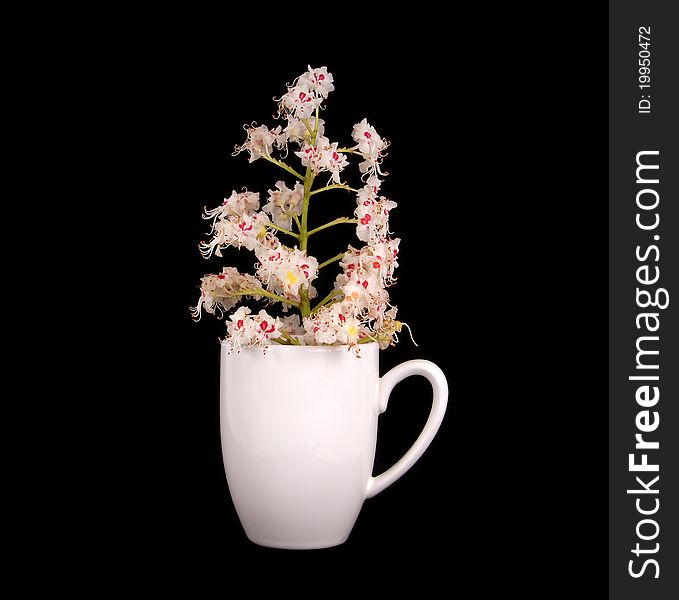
[{"x": 643, "y": 300}]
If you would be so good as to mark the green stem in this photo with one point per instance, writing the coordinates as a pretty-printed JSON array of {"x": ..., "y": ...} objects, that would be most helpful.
[
  {"x": 349, "y": 150},
  {"x": 331, "y": 260},
  {"x": 291, "y": 340},
  {"x": 303, "y": 238},
  {"x": 313, "y": 135},
  {"x": 336, "y": 186},
  {"x": 303, "y": 235},
  {"x": 282, "y": 165},
  {"x": 288, "y": 232},
  {"x": 331, "y": 224},
  {"x": 328, "y": 298},
  {"x": 304, "y": 307},
  {"x": 261, "y": 292},
  {"x": 308, "y": 128},
  {"x": 299, "y": 225},
  {"x": 304, "y": 225},
  {"x": 373, "y": 338},
  {"x": 376, "y": 338}
]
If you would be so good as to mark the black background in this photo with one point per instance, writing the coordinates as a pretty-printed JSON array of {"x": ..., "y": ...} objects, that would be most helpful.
[{"x": 497, "y": 163}]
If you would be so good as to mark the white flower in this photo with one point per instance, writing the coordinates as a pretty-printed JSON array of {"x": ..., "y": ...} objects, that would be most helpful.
[
  {"x": 220, "y": 293},
  {"x": 236, "y": 329},
  {"x": 285, "y": 271},
  {"x": 369, "y": 142},
  {"x": 386, "y": 254},
  {"x": 373, "y": 216},
  {"x": 368, "y": 193},
  {"x": 370, "y": 145},
  {"x": 292, "y": 326},
  {"x": 321, "y": 327},
  {"x": 349, "y": 331},
  {"x": 285, "y": 203},
  {"x": 297, "y": 131},
  {"x": 365, "y": 293},
  {"x": 333, "y": 161},
  {"x": 249, "y": 230},
  {"x": 236, "y": 204},
  {"x": 312, "y": 154},
  {"x": 385, "y": 332},
  {"x": 244, "y": 330},
  {"x": 366, "y": 273},
  {"x": 306, "y": 93},
  {"x": 323, "y": 156},
  {"x": 222, "y": 234},
  {"x": 259, "y": 142},
  {"x": 372, "y": 186},
  {"x": 299, "y": 101},
  {"x": 318, "y": 81},
  {"x": 379, "y": 260},
  {"x": 334, "y": 324}
]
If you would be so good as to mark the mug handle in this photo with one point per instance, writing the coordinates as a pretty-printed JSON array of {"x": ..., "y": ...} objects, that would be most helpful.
[{"x": 438, "y": 408}]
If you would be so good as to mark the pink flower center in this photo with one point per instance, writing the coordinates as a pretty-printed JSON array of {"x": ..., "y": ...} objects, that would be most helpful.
[
  {"x": 367, "y": 134},
  {"x": 376, "y": 265},
  {"x": 321, "y": 77},
  {"x": 239, "y": 325},
  {"x": 341, "y": 318},
  {"x": 335, "y": 156},
  {"x": 264, "y": 326},
  {"x": 220, "y": 276},
  {"x": 365, "y": 220},
  {"x": 365, "y": 284}
]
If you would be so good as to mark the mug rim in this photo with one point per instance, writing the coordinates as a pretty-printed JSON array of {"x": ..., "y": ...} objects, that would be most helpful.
[{"x": 324, "y": 348}]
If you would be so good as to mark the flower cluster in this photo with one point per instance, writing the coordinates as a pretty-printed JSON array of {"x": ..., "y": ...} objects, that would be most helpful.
[
  {"x": 260, "y": 141},
  {"x": 372, "y": 212},
  {"x": 371, "y": 146},
  {"x": 236, "y": 223},
  {"x": 284, "y": 204},
  {"x": 376, "y": 260},
  {"x": 285, "y": 271},
  {"x": 306, "y": 93},
  {"x": 358, "y": 309},
  {"x": 220, "y": 293},
  {"x": 322, "y": 155},
  {"x": 257, "y": 330}
]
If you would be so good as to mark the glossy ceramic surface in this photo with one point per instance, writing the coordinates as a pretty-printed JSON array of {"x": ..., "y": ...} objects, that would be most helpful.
[{"x": 299, "y": 429}]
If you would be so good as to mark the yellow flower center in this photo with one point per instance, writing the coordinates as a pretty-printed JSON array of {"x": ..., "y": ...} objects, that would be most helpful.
[
  {"x": 290, "y": 278},
  {"x": 352, "y": 330}
]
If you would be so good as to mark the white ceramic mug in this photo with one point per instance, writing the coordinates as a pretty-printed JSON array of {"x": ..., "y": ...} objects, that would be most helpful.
[{"x": 299, "y": 429}]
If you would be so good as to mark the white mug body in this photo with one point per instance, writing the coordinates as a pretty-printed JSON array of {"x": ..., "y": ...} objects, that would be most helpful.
[{"x": 299, "y": 431}]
